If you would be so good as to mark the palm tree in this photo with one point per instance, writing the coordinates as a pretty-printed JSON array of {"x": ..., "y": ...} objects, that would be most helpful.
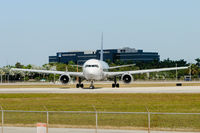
[
  {"x": 198, "y": 61},
  {"x": 2, "y": 73}
]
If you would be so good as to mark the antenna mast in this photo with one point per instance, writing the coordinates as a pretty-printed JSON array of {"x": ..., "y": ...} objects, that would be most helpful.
[{"x": 101, "y": 56}]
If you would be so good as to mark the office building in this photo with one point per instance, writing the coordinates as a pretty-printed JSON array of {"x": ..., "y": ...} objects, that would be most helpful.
[{"x": 129, "y": 55}]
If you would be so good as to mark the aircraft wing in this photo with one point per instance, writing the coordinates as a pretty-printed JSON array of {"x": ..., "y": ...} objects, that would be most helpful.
[
  {"x": 111, "y": 74},
  {"x": 79, "y": 74},
  {"x": 76, "y": 65},
  {"x": 121, "y": 66}
]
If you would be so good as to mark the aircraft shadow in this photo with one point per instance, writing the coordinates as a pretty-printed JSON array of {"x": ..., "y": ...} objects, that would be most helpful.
[
  {"x": 64, "y": 88},
  {"x": 81, "y": 88},
  {"x": 93, "y": 89}
]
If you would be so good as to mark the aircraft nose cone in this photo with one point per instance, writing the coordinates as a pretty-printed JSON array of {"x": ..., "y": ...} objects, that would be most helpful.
[{"x": 91, "y": 74}]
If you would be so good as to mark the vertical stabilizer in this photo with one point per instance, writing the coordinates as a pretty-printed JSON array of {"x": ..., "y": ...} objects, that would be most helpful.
[{"x": 101, "y": 54}]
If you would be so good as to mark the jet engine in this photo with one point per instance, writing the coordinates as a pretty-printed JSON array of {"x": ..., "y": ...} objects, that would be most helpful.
[
  {"x": 127, "y": 78},
  {"x": 64, "y": 79}
]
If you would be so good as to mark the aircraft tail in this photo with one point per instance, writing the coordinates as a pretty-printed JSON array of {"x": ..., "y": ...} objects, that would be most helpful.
[{"x": 101, "y": 54}]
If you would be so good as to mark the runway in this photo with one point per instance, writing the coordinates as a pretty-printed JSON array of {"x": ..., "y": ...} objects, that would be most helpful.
[{"x": 180, "y": 89}]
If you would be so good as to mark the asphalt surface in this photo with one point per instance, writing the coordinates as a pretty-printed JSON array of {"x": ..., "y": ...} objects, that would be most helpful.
[
  {"x": 77, "y": 130},
  {"x": 180, "y": 89}
]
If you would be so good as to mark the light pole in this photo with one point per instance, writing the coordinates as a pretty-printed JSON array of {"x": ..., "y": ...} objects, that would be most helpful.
[
  {"x": 176, "y": 73},
  {"x": 77, "y": 78},
  {"x": 8, "y": 77},
  {"x": 190, "y": 72}
]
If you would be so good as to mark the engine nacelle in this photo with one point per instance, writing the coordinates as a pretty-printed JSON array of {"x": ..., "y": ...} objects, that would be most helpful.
[
  {"x": 64, "y": 79},
  {"x": 127, "y": 78}
]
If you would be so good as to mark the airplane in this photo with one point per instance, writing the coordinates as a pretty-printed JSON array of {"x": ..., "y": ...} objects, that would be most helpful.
[{"x": 96, "y": 70}]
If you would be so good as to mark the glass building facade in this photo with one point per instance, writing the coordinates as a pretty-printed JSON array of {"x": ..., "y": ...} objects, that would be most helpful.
[{"x": 129, "y": 55}]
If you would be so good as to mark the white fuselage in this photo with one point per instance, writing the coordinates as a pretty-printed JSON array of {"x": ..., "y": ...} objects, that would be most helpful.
[{"x": 94, "y": 69}]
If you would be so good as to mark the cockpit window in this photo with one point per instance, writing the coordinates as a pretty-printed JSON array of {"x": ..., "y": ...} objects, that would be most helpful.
[
  {"x": 92, "y": 66},
  {"x": 95, "y": 66}
]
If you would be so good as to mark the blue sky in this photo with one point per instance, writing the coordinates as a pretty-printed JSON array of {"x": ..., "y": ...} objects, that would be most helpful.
[{"x": 30, "y": 31}]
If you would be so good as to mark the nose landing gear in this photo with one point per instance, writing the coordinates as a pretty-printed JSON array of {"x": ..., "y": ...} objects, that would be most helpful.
[
  {"x": 92, "y": 85},
  {"x": 79, "y": 83},
  {"x": 115, "y": 84}
]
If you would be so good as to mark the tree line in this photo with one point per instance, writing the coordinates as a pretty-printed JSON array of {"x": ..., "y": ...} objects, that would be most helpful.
[{"x": 194, "y": 70}]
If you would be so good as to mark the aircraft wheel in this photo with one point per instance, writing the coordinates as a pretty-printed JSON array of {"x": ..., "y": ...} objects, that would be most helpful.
[
  {"x": 91, "y": 87},
  {"x": 113, "y": 85},
  {"x": 117, "y": 85},
  {"x": 77, "y": 86},
  {"x": 81, "y": 85}
]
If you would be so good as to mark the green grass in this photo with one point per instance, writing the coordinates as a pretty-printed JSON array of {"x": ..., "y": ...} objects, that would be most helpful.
[{"x": 104, "y": 102}]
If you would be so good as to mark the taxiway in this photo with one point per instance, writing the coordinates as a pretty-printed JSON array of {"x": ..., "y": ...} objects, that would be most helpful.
[{"x": 180, "y": 89}]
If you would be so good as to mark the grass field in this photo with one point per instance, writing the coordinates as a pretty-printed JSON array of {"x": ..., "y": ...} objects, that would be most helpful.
[
  {"x": 96, "y": 85},
  {"x": 105, "y": 102}
]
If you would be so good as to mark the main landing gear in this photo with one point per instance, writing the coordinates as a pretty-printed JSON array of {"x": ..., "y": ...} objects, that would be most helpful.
[
  {"x": 115, "y": 84},
  {"x": 79, "y": 83},
  {"x": 92, "y": 85}
]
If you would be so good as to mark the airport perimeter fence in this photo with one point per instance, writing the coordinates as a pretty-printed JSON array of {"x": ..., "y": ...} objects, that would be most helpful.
[{"x": 96, "y": 120}]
